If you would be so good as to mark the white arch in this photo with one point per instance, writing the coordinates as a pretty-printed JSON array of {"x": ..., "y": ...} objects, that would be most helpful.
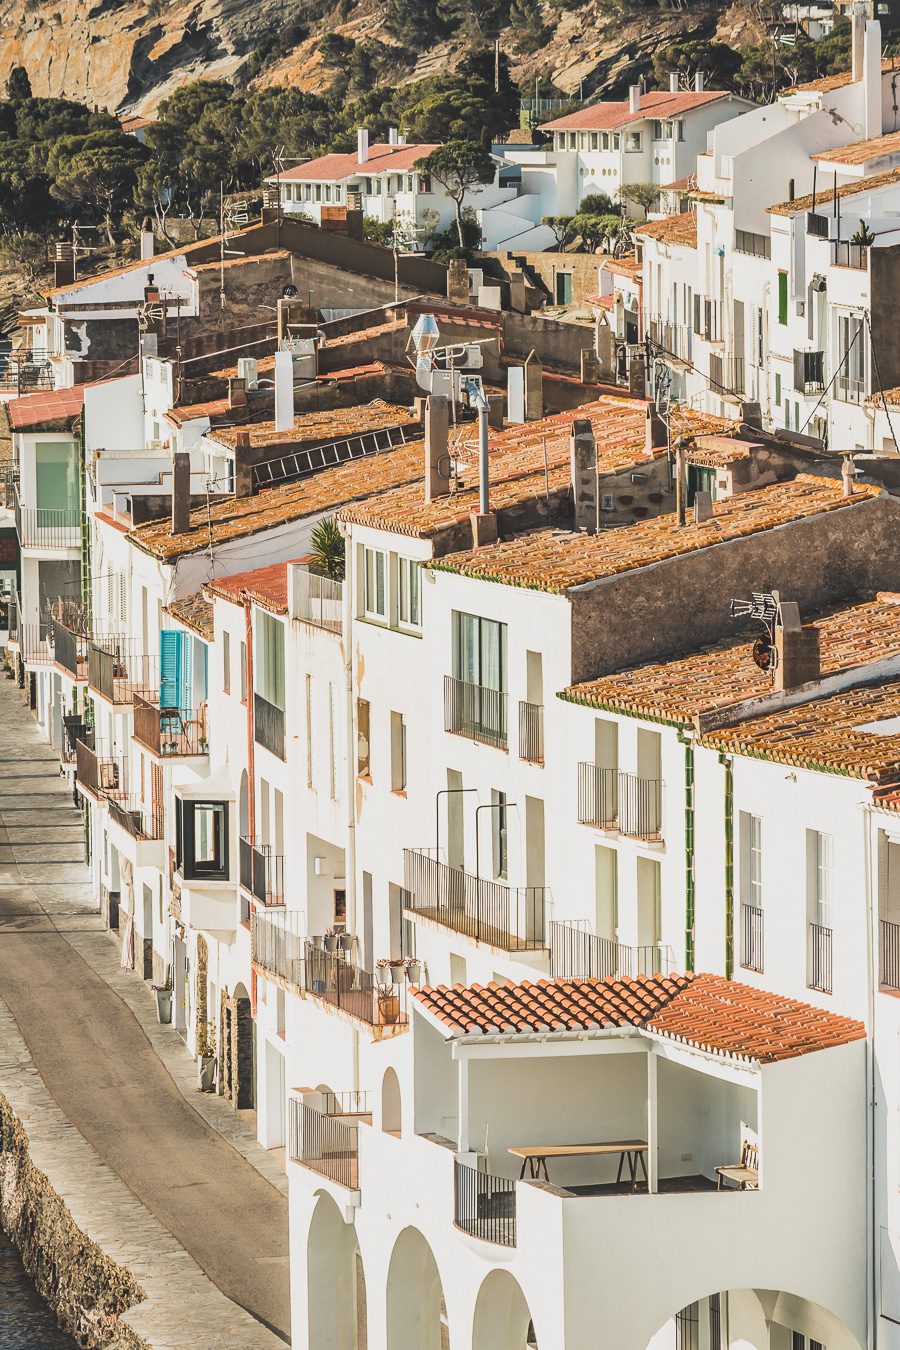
[
  {"x": 391, "y": 1106},
  {"x": 415, "y": 1296},
  {"x": 336, "y": 1283},
  {"x": 502, "y": 1316}
]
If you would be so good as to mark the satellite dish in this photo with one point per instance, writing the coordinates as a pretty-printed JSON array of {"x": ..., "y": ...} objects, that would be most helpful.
[
  {"x": 763, "y": 652},
  {"x": 290, "y": 292}
]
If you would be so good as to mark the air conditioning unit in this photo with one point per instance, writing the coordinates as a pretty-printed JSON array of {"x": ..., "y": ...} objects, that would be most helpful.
[{"x": 246, "y": 371}]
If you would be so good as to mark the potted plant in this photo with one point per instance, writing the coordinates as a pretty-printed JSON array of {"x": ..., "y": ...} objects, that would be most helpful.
[
  {"x": 345, "y": 941},
  {"x": 331, "y": 940},
  {"x": 206, "y": 1058},
  {"x": 397, "y": 971},
  {"x": 383, "y": 971},
  {"x": 413, "y": 969},
  {"x": 317, "y": 942},
  {"x": 163, "y": 994},
  {"x": 388, "y": 1005}
]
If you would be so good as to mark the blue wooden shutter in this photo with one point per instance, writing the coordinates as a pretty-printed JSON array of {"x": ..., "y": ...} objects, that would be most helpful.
[
  {"x": 169, "y": 668},
  {"x": 186, "y": 682}
]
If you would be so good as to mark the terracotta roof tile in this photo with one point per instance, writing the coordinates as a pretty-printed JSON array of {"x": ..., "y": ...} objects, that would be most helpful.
[
  {"x": 331, "y": 425},
  {"x": 194, "y": 612},
  {"x": 680, "y": 229},
  {"x": 886, "y": 178},
  {"x": 838, "y": 733},
  {"x": 554, "y": 560},
  {"x": 658, "y": 103},
  {"x": 724, "y": 673},
  {"x": 267, "y": 586},
  {"x": 709, "y": 1012},
  {"x": 863, "y": 152},
  {"x": 33, "y": 411},
  {"x": 827, "y": 83},
  {"x": 334, "y": 168}
]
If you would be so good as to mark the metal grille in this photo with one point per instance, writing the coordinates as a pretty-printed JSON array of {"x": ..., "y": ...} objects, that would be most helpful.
[
  {"x": 576, "y": 954},
  {"x": 820, "y": 958},
  {"x": 752, "y": 938},
  {"x": 327, "y": 1144},
  {"x": 474, "y": 711},
  {"x": 531, "y": 732},
  {"x": 510, "y": 917},
  {"x": 484, "y": 1205}
]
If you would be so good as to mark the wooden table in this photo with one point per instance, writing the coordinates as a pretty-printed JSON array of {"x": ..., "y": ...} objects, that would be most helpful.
[{"x": 534, "y": 1156}]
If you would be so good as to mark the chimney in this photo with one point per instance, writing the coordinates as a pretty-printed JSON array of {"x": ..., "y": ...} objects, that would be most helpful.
[
  {"x": 393, "y": 138},
  {"x": 656, "y": 433},
  {"x": 583, "y": 449},
  {"x": 437, "y": 447},
  {"x": 147, "y": 244},
  {"x": 634, "y": 98},
  {"x": 243, "y": 468},
  {"x": 797, "y": 649},
  {"x": 237, "y": 393},
  {"x": 362, "y": 146},
  {"x": 181, "y": 492},
  {"x": 698, "y": 82},
  {"x": 872, "y": 80},
  {"x": 284, "y": 391},
  {"x": 673, "y": 81},
  {"x": 64, "y": 265},
  {"x": 534, "y": 388},
  {"x": 858, "y": 16},
  {"x": 703, "y": 506},
  {"x": 847, "y": 475}
]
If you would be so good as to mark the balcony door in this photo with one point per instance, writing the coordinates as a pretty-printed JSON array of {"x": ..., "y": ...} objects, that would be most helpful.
[
  {"x": 56, "y": 481},
  {"x": 480, "y": 662}
]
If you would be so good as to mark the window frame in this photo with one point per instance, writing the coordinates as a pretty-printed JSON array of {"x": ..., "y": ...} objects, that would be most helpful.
[
  {"x": 186, "y": 837},
  {"x": 382, "y": 557},
  {"x": 409, "y": 593}
]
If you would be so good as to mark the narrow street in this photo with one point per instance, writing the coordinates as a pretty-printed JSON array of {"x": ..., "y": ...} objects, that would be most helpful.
[{"x": 93, "y": 1055}]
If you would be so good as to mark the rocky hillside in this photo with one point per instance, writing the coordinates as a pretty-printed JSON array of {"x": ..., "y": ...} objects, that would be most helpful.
[{"x": 129, "y": 54}]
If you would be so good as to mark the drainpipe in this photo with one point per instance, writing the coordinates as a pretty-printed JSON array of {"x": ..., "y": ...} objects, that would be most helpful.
[
  {"x": 728, "y": 764},
  {"x": 251, "y": 763},
  {"x": 871, "y": 957},
  {"x": 688, "y": 744}
]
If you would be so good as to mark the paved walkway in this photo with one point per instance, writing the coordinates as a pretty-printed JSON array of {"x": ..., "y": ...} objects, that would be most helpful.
[{"x": 96, "y": 1059}]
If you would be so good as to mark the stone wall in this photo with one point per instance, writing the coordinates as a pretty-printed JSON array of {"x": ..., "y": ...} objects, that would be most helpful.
[{"x": 87, "y": 1291}]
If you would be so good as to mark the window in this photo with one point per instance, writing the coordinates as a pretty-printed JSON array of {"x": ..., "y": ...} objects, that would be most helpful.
[
  {"x": 800, "y": 1342},
  {"x": 425, "y": 182},
  {"x": 409, "y": 593},
  {"x": 363, "y": 758},
  {"x": 243, "y": 672},
  {"x": 760, "y": 245},
  {"x": 604, "y": 140},
  {"x": 480, "y": 651},
  {"x": 57, "y": 485},
  {"x": 500, "y": 835},
  {"x": 687, "y": 1328},
  {"x": 269, "y": 674},
  {"x": 782, "y": 297},
  {"x": 657, "y": 131},
  {"x": 633, "y": 141},
  {"x": 778, "y": 389},
  {"x": 616, "y": 140},
  {"x": 201, "y": 840},
  {"x": 851, "y": 357},
  {"x": 375, "y": 582},
  {"x": 715, "y": 1322},
  {"x": 226, "y": 662},
  {"x": 573, "y": 140},
  {"x": 753, "y": 891},
  {"x": 398, "y": 752},
  {"x": 318, "y": 192},
  {"x": 595, "y": 140},
  {"x": 820, "y": 862}
]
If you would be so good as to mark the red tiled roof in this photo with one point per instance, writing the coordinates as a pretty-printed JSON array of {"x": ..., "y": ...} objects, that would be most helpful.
[
  {"x": 56, "y": 405},
  {"x": 608, "y": 115},
  {"x": 716, "y": 1015},
  {"x": 266, "y": 585},
  {"x": 678, "y": 229},
  {"x": 334, "y": 168}
]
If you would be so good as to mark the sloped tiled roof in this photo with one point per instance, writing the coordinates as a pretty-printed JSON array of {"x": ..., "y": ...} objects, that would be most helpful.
[
  {"x": 33, "y": 411},
  {"x": 724, "y": 673},
  {"x": 194, "y": 612},
  {"x": 679, "y": 229},
  {"x": 334, "y": 168},
  {"x": 887, "y": 178},
  {"x": 607, "y": 115},
  {"x": 330, "y": 425},
  {"x": 862, "y": 152},
  {"x": 555, "y": 560},
  {"x": 708, "y": 1012},
  {"x": 267, "y": 586},
  {"x": 826, "y": 83}
]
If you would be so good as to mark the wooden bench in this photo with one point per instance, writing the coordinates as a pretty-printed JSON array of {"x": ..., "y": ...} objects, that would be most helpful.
[{"x": 745, "y": 1174}]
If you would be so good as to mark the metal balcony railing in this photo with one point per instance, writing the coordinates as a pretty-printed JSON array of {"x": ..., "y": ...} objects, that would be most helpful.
[
  {"x": 319, "y": 601},
  {"x": 577, "y": 954},
  {"x": 752, "y": 930},
  {"x": 889, "y": 954},
  {"x": 350, "y": 1102},
  {"x": 726, "y": 373},
  {"x": 820, "y": 958},
  {"x": 327, "y": 1144},
  {"x": 278, "y": 945},
  {"x": 99, "y": 772},
  {"x": 531, "y": 732},
  {"x": 36, "y": 643},
  {"x": 613, "y": 800},
  {"x": 329, "y": 976},
  {"x": 268, "y": 725},
  {"x": 476, "y": 712},
  {"x": 118, "y": 671},
  {"x": 136, "y": 819},
  {"x": 845, "y": 254},
  {"x": 262, "y": 872},
  {"x": 50, "y": 528},
  {"x": 673, "y": 339},
  {"x": 25, "y": 372},
  {"x": 809, "y": 372},
  {"x": 850, "y": 390},
  {"x": 70, "y": 650},
  {"x": 169, "y": 732},
  {"x": 510, "y": 917},
  {"x": 484, "y": 1206}
]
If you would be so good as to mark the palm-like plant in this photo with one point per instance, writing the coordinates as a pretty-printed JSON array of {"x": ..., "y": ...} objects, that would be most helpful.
[{"x": 327, "y": 547}]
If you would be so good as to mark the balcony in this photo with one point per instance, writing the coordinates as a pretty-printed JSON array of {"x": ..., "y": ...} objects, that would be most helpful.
[
  {"x": 845, "y": 254},
  {"x": 169, "y": 733},
  {"x": 117, "y": 671},
  {"x": 262, "y": 872},
  {"x": 484, "y": 1206},
  {"x": 752, "y": 929},
  {"x": 318, "y": 600},
  {"x": 889, "y": 954},
  {"x": 820, "y": 958},
  {"x": 99, "y": 773},
  {"x": 531, "y": 732},
  {"x": 476, "y": 712},
  {"x": 329, "y": 976},
  {"x": 47, "y": 529},
  {"x": 36, "y": 643},
  {"x": 268, "y": 725},
  {"x": 726, "y": 373},
  {"x": 135, "y": 819},
  {"x": 673, "y": 339},
  {"x": 809, "y": 372},
  {"x": 850, "y": 390},
  {"x": 328, "y": 1144},
  {"x": 577, "y": 954},
  {"x": 512, "y": 918},
  {"x": 609, "y": 799},
  {"x": 278, "y": 944},
  {"x": 69, "y": 641}
]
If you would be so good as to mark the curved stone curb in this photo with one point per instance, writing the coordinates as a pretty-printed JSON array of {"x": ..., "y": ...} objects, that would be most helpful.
[{"x": 87, "y": 1240}]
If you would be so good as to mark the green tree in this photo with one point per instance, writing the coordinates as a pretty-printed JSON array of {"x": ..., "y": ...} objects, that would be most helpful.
[
  {"x": 643, "y": 195},
  {"x": 561, "y": 227},
  {"x": 718, "y": 62},
  {"x": 18, "y": 85},
  {"x": 461, "y": 167},
  {"x": 26, "y": 252},
  {"x": 596, "y": 204},
  {"x": 98, "y": 171},
  {"x": 193, "y": 142}
]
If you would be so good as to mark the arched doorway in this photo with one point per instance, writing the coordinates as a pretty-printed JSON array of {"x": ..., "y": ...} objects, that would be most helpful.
[
  {"x": 757, "y": 1319},
  {"x": 502, "y": 1319},
  {"x": 391, "y": 1114},
  {"x": 336, "y": 1282},
  {"x": 236, "y": 1070},
  {"x": 416, "y": 1318}
]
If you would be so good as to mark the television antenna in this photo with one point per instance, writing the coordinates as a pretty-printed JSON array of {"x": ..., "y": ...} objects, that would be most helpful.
[{"x": 763, "y": 608}]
